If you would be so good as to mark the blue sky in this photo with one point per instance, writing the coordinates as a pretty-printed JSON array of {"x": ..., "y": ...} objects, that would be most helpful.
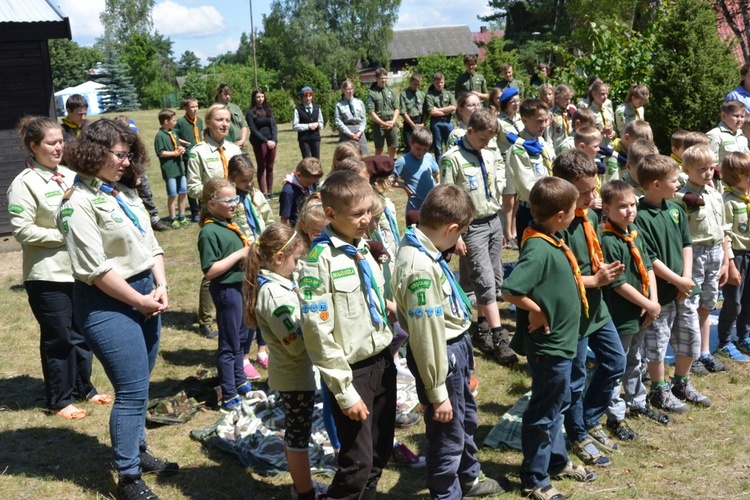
[{"x": 212, "y": 27}]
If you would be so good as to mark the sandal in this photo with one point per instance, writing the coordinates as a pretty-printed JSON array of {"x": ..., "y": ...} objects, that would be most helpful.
[
  {"x": 102, "y": 399},
  {"x": 548, "y": 492},
  {"x": 589, "y": 454},
  {"x": 70, "y": 412},
  {"x": 577, "y": 472},
  {"x": 601, "y": 438}
]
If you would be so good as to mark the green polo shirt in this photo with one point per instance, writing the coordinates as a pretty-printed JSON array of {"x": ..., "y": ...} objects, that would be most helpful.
[
  {"x": 543, "y": 274},
  {"x": 384, "y": 102},
  {"x": 412, "y": 103},
  {"x": 576, "y": 240},
  {"x": 665, "y": 232},
  {"x": 171, "y": 166},
  {"x": 625, "y": 314},
  {"x": 476, "y": 82},
  {"x": 437, "y": 99},
  {"x": 185, "y": 131},
  {"x": 216, "y": 242}
]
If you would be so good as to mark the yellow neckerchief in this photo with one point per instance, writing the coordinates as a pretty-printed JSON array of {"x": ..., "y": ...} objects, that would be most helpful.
[
  {"x": 742, "y": 196},
  {"x": 677, "y": 159},
  {"x": 224, "y": 162},
  {"x": 231, "y": 226},
  {"x": 530, "y": 232},
  {"x": 636, "y": 254},
  {"x": 592, "y": 242},
  {"x": 76, "y": 128},
  {"x": 174, "y": 141},
  {"x": 194, "y": 123}
]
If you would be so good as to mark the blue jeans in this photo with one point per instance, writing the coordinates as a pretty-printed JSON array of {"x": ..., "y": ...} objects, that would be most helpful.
[
  {"x": 451, "y": 450},
  {"x": 440, "y": 132},
  {"x": 126, "y": 343},
  {"x": 542, "y": 441},
  {"x": 585, "y": 411},
  {"x": 233, "y": 333}
]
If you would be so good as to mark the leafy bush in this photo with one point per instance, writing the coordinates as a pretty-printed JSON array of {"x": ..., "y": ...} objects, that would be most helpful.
[
  {"x": 430, "y": 64},
  {"x": 281, "y": 104},
  {"x": 195, "y": 85},
  {"x": 151, "y": 95}
]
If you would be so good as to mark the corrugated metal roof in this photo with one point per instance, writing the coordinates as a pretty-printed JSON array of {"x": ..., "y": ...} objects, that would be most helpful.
[
  {"x": 448, "y": 40},
  {"x": 29, "y": 11}
]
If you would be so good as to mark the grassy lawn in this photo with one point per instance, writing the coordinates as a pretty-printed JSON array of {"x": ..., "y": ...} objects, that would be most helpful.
[{"x": 701, "y": 454}]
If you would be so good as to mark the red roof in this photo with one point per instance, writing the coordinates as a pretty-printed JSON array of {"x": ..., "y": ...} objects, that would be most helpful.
[{"x": 483, "y": 37}]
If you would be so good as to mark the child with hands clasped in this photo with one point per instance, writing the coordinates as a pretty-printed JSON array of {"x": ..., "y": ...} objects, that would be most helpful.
[
  {"x": 347, "y": 336},
  {"x": 736, "y": 309},
  {"x": 272, "y": 305},
  {"x": 541, "y": 286},
  {"x": 223, "y": 246},
  {"x": 632, "y": 301},
  {"x": 705, "y": 209},
  {"x": 434, "y": 309},
  {"x": 170, "y": 152},
  {"x": 664, "y": 227}
]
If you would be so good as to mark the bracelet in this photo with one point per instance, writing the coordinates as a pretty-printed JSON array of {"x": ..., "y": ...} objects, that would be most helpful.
[{"x": 162, "y": 285}]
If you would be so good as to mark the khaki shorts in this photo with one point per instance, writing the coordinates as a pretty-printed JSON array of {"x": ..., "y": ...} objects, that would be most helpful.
[{"x": 381, "y": 137}]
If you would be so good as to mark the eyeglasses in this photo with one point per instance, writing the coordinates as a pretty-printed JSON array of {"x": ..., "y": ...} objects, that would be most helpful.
[
  {"x": 121, "y": 155},
  {"x": 229, "y": 201},
  {"x": 472, "y": 106}
]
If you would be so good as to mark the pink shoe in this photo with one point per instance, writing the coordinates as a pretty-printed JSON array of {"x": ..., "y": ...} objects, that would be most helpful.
[
  {"x": 262, "y": 361},
  {"x": 251, "y": 373}
]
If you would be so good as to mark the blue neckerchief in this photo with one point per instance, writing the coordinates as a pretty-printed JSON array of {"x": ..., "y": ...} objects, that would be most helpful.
[
  {"x": 607, "y": 151},
  {"x": 107, "y": 189},
  {"x": 392, "y": 223},
  {"x": 250, "y": 214},
  {"x": 601, "y": 167},
  {"x": 262, "y": 281},
  {"x": 374, "y": 300},
  {"x": 533, "y": 148},
  {"x": 487, "y": 191},
  {"x": 459, "y": 300}
]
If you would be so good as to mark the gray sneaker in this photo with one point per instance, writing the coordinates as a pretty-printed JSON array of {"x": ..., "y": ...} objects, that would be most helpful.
[
  {"x": 712, "y": 364},
  {"x": 685, "y": 391},
  {"x": 661, "y": 397}
]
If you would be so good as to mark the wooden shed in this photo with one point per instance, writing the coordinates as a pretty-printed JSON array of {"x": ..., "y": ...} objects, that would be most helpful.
[
  {"x": 409, "y": 44},
  {"x": 26, "y": 82}
]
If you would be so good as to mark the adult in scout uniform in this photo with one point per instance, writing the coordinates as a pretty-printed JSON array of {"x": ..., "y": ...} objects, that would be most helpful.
[
  {"x": 471, "y": 81},
  {"x": 120, "y": 286},
  {"x": 33, "y": 199},
  {"x": 351, "y": 118},
  {"x": 382, "y": 106},
  {"x": 238, "y": 131},
  {"x": 411, "y": 102},
  {"x": 210, "y": 159}
]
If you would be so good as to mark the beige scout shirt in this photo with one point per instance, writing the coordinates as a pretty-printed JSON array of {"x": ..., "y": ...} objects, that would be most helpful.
[
  {"x": 336, "y": 321},
  {"x": 205, "y": 163},
  {"x": 461, "y": 167},
  {"x": 33, "y": 200},
  {"x": 422, "y": 293},
  {"x": 277, "y": 311},
  {"x": 99, "y": 235},
  {"x": 724, "y": 141},
  {"x": 262, "y": 208},
  {"x": 707, "y": 223},
  {"x": 736, "y": 213},
  {"x": 604, "y": 118},
  {"x": 390, "y": 240},
  {"x": 525, "y": 170}
]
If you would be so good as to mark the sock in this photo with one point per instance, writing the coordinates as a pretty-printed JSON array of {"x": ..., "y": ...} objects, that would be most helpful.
[
  {"x": 181, "y": 217},
  {"x": 497, "y": 330},
  {"x": 660, "y": 383},
  {"x": 262, "y": 355},
  {"x": 245, "y": 362},
  {"x": 680, "y": 378},
  {"x": 481, "y": 319},
  {"x": 705, "y": 354}
]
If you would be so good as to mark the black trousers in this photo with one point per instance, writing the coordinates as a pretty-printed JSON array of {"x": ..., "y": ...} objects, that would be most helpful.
[
  {"x": 366, "y": 445},
  {"x": 310, "y": 148},
  {"x": 66, "y": 358}
]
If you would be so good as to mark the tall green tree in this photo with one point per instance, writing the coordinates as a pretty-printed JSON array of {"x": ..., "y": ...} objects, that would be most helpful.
[
  {"x": 70, "y": 61},
  {"x": 693, "y": 71},
  {"x": 122, "y": 19},
  {"x": 121, "y": 94},
  {"x": 188, "y": 62}
]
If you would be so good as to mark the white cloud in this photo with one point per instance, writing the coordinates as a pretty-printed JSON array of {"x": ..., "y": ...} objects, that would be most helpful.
[
  {"x": 84, "y": 17},
  {"x": 228, "y": 45},
  {"x": 412, "y": 13},
  {"x": 173, "y": 19}
]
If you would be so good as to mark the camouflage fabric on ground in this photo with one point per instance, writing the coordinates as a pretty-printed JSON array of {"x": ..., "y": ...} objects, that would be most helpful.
[{"x": 176, "y": 409}]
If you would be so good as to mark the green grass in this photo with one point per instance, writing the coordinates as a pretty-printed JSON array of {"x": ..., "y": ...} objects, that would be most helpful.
[{"x": 701, "y": 454}]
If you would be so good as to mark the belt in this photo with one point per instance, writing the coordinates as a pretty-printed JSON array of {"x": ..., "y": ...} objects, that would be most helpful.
[
  {"x": 483, "y": 220},
  {"x": 442, "y": 119}
]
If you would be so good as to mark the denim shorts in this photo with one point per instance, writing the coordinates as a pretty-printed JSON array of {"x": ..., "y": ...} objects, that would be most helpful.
[{"x": 173, "y": 183}]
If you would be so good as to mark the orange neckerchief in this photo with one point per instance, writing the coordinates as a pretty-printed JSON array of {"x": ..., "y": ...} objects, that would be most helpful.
[
  {"x": 530, "y": 232},
  {"x": 174, "y": 141},
  {"x": 566, "y": 125},
  {"x": 630, "y": 240},
  {"x": 224, "y": 162},
  {"x": 592, "y": 242},
  {"x": 194, "y": 123},
  {"x": 233, "y": 227},
  {"x": 604, "y": 118}
]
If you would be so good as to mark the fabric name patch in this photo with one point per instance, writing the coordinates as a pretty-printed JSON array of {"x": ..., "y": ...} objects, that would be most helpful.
[
  {"x": 15, "y": 209},
  {"x": 211, "y": 160},
  {"x": 739, "y": 210},
  {"x": 310, "y": 281},
  {"x": 66, "y": 212},
  {"x": 99, "y": 201},
  {"x": 280, "y": 311},
  {"x": 420, "y": 284},
  {"x": 343, "y": 273},
  {"x": 52, "y": 194}
]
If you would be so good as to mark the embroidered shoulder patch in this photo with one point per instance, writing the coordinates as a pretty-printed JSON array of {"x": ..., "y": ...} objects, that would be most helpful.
[
  {"x": 343, "y": 273},
  {"x": 675, "y": 215},
  {"x": 310, "y": 281},
  {"x": 280, "y": 311},
  {"x": 15, "y": 209},
  {"x": 420, "y": 284},
  {"x": 66, "y": 212},
  {"x": 314, "y": 254}
]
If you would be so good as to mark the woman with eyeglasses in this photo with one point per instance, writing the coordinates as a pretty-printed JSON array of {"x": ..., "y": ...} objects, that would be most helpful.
[
  {"x": 33, "y": 200},
  {"x": 466, "y": 104},
  {"x": 120, "y": 288}
]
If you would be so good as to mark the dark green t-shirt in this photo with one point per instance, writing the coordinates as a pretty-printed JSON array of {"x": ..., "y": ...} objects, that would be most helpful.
[
  {"x": 543, "y": 274},
  {"x": 625, "y": 314},
  {"x": 576, "y": 240},
  {"x": 185, "y": 131},
  {"x": 171, "y": 166},
  {"x": 665, "y": 232},
  {"x": 215, "y": 242}
]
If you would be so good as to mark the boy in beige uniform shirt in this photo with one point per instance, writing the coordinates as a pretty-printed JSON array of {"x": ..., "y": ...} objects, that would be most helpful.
[{"x": 346, "y": 333}]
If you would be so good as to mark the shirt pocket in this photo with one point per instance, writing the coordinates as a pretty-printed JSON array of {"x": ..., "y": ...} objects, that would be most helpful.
[
  {"x": 110, "y": 219},
  {"x": 348, "y": 298},
  {"x": 472, "y": 175}
]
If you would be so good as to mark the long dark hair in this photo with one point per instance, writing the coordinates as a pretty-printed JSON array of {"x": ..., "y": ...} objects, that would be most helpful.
[
  {"x": 262, "y": 111},
  {"x": 90, "y": 152}
]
